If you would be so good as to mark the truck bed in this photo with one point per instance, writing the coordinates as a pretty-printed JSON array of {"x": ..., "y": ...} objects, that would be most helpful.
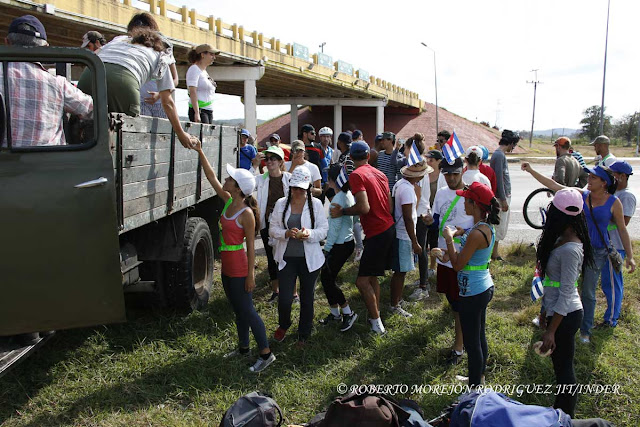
[{"x": 156, "y": 176}]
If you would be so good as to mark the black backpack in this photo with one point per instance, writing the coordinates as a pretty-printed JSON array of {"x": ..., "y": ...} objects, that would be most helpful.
[{"x": 253, "y": 410}]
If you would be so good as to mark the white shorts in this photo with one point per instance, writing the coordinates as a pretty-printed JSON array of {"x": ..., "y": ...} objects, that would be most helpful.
[{"x": 501, "y": 229}]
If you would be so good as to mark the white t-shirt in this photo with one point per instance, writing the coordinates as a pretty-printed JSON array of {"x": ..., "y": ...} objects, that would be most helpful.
[
  {"x": 315, "y": 172},
  {"x": 608, "y": 160},
  {"x": 423, "y": 207},
  {"x": 442, "y": 182},
  {"x": 404, "y": 193},
  {"x": 457, "y": 217},
  {"x": 475, "y": 176},
  {"x": 142, "y": 61},
  {"x": 204, "y": 84}
]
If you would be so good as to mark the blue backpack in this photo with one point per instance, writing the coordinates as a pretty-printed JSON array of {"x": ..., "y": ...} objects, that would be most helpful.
[{"x": 497, "y": 410}]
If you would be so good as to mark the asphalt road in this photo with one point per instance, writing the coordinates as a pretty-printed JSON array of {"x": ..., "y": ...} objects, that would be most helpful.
[{"x": 522, "y": 184}]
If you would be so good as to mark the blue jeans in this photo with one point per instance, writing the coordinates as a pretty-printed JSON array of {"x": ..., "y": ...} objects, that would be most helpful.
[
  {"x": 589, "y": 285},
  {"x": 613, "y": 288},
  {"x": 246, "y": 315}
]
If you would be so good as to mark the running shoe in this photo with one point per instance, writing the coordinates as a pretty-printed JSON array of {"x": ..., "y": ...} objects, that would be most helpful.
[
  {"x": 454, "y": 358},
  {"x": 273, "y": 299},
  {"x": 401, "y": 311},
  {"x": 330, "y": 319},
  {"x": 348, "y": 320},
  {"x": 377, "y": 330},
  {"x": 419, "y": 294},
  {"x": 279, "y": 334},
  {"x": 236, "y": 353},
  {"x": 585, "y": 339},
  {"x": 358, "y": 254},
  {"x": 413, "y": 285},
  {"x": 262, "y": 364}
]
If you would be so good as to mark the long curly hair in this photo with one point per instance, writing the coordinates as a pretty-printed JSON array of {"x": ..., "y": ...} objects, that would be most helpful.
[{"x": 557, "y": 222}]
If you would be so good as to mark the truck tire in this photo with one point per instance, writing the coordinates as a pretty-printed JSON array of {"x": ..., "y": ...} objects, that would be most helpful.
[{"x": 190, "y": 279}]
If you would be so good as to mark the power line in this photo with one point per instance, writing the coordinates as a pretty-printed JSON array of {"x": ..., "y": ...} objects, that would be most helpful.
[{"x": 533, "y": 117}]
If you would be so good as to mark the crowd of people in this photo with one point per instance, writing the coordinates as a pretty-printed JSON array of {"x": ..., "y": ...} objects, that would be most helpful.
[{"x": 393, "y": 205}]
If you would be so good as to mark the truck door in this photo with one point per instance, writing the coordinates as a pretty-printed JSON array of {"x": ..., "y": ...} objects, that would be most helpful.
[{"x": 59, "y": 249}]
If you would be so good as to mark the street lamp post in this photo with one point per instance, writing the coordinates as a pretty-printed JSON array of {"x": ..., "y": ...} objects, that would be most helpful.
[
  {"x": 435, "y": 79},
  {"x": 322, "y": 47},
  {"x": 604, "y": 73}
]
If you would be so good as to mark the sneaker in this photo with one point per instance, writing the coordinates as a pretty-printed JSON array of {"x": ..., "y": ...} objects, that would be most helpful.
[
  {"x": 454, "y": 358},
  {"x": 262, "y": 364},
  {"x": 585, "y": 339},
  {"x": 536, "y": 321},
  {"x": 296, "y": 299},
  {"x": 348, "y": 320},
  {"x": 279, "y": 334},
  {"x": 413, "y": 285},
  {"x": 401, "y": 311},
  {"x": 330, "y": 319},
  {"x": 462, "y": 378},
  {"x": 236, "y": 353},
  {"x": 273, "y": 299},
  {"x": 380, "y": 332},
  {"x": 404, "y": 303},
  {"x": 419, "y": 294},
  {"x": 358, "y": 254}
]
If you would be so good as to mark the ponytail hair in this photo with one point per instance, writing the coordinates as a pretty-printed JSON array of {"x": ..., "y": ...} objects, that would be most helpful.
[
  {"x": 492, "y": 211},
  {"x": 252, "y": 203},
  {"x": 310, "y": 204},
  {"x": 611, "y": 189}
]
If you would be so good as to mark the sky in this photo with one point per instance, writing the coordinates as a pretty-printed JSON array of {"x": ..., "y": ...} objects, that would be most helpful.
[{"x": 485, "y": 51}]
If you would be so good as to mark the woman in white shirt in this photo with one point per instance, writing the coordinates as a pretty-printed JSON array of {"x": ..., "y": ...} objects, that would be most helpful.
[
  {"x": 298, "y": 224},
  {"x": 201, "y": 86},
  {"x": 472, "y": 172}
]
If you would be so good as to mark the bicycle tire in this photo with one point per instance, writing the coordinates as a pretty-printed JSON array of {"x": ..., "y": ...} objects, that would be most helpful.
[{"x": 535, "y": 207}]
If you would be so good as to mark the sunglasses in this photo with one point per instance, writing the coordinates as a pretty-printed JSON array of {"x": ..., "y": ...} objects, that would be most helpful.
[
  {"x": 271, "y": 158},
  {"x": 312, "y": 132}
]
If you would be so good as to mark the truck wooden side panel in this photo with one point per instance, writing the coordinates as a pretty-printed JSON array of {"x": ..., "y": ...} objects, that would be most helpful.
[{"x": 152, "y": 171}]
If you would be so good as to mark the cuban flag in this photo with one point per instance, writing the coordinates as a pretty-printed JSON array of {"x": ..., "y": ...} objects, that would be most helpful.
[
  {"x": 537, "y": 290},
  {"x": 342, "y": 177},
  {"x": 452, "y": 149},
  {"x": 414, "y": 156}
]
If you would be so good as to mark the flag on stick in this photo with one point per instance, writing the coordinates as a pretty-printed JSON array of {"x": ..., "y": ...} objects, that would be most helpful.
[
  {"x": 452, "y": 149},
  {"x": 342, "y": 177},
  {"x": 537, "y": 290},
  {"x": 414, "y": 155}
]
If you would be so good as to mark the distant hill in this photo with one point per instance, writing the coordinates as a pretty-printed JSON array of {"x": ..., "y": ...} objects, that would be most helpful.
[{"x": 228, "y": 122}]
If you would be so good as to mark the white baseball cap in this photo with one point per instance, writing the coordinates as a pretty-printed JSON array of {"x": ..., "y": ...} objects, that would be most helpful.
[
  {"x": 474, "y": 149},
  {"x": 245, "y": 179},
  {"x": 300, "y": 177}
]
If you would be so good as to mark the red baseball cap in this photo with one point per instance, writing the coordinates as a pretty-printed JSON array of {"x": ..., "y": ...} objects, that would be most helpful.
[{"x": 477, "y": 192}]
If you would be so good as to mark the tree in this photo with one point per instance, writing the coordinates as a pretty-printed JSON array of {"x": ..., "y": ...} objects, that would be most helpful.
[
  {"x": 626, "y": 127},
  {"x": 591, "y": 122}
]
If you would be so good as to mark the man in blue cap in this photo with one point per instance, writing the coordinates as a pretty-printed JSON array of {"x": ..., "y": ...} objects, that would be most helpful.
[
  {"x": 611, "y": 280},
  {"x": 38, "y": 122},
  {"x": 247, "y": 151}
]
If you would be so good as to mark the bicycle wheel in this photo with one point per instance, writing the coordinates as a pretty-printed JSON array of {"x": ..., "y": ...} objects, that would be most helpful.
[{"x": 535, "y": 207}]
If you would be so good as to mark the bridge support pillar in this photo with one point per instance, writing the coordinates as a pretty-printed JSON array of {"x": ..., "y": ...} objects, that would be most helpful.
[
  {"x": 293, "y": 131},
  {"x": 379, "y": 119},
  {"x": 250, "y": 113},
  {"x": 337, "y": 124}
]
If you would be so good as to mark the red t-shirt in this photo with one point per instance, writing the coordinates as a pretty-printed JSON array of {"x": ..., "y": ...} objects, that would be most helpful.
[
  {"x": 489, "y": 173},
  {"x": 375, "y": 183}
]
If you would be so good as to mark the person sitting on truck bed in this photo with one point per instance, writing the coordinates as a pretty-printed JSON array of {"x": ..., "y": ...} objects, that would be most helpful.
[
  {"x": 130, "y": 61},
  {"x": 38, "y": 99}
]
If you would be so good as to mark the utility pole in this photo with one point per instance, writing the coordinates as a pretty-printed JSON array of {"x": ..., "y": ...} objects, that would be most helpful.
[
  {"x": 604, "y": 73},
  {"x": 322, "y": 47},
  {"x": 533, "y": 117},
  {"x": 435, "y": 79}
]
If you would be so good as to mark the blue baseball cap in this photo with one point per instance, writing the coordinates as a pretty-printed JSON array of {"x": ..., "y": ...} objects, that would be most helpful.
[
  {"x": 33, "y": 22},
  {"x": 359, "y": 149},
  {"x": 245, "y": 132},
  {"x": 485, "y": 152},
  {"x": 600, "y": 173},
  {"x": 621, "y": 167},
  {"x": 378, "y": 137}
]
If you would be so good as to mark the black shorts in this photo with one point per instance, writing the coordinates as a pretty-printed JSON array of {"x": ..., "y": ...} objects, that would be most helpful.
[
  {"x": 376, "y": 257},
  {"x": 447, "y": 283},
  {"x": 432, "y": 238}
]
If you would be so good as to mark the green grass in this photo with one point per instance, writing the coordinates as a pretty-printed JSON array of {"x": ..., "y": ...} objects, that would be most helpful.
[{"x": 160, "y": 369}]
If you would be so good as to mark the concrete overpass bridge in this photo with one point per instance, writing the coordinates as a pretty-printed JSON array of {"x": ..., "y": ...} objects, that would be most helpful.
[{"x": 260, "y": 69}]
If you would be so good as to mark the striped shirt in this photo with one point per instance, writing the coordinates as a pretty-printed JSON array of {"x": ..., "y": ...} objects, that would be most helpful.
[
  {"x": 579, "y": 158},
  {"x": 387, "y": 167},
  {"x": 38, "y": 101}
]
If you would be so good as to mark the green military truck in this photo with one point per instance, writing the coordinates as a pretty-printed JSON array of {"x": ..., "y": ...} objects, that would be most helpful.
[{"x": 122, "y": 207}]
